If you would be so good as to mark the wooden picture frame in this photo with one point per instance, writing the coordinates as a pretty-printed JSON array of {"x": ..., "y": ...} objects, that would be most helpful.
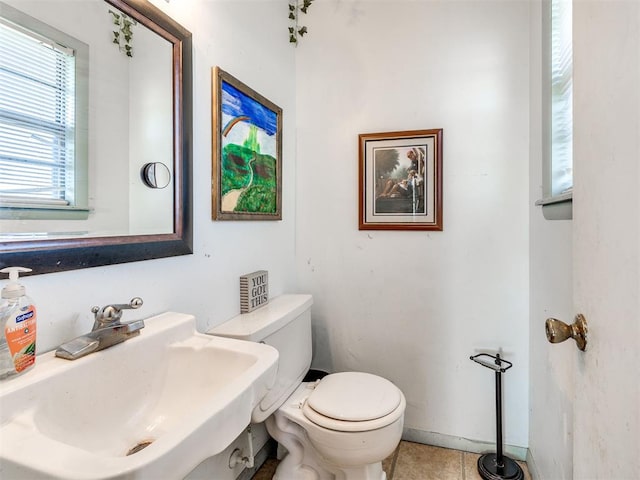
[
  {"x": 400, "y": 180},
  {"x": 246, "y": 152}
]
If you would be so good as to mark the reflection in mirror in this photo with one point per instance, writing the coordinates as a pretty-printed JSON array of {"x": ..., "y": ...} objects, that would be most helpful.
[
  {"x": 70, "y": 189},
  {"x": 125, "y": 112}
]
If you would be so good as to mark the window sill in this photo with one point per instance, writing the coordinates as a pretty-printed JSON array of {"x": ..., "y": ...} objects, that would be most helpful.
[
  {"x": 42, "y": 212},
  {"x": 559, "y": 207}
]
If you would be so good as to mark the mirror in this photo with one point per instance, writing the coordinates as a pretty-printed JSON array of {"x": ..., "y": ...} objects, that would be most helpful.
[{"x": 155, "y": 222}]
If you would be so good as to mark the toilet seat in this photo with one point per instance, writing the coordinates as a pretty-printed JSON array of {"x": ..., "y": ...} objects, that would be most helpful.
[{"x": 353, "y": 402}]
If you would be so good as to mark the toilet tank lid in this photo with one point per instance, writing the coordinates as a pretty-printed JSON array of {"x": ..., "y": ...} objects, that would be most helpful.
[
  {"x": 354, "y": 397},
  {"x": 262, "y": 322}
]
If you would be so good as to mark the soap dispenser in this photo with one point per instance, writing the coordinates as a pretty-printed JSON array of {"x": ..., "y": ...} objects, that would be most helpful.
[{"x": 18, "y": 323}]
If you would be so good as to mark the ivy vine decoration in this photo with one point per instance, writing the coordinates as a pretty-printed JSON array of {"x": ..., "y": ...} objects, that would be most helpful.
[
  {"x": 123, "y": 35},
  {"x": 295, "y": 29}
]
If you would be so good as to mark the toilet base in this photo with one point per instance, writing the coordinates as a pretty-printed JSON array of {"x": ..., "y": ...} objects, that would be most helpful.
[
  {"x": 286, "y": 471},
  {"x": 302, "y": 461}
]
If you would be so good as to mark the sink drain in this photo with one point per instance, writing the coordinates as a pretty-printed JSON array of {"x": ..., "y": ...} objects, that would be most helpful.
[{"x": 139, "y": 446}]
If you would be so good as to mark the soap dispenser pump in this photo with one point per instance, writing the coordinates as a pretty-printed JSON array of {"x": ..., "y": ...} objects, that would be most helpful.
[{"x": 18, "y": 323}]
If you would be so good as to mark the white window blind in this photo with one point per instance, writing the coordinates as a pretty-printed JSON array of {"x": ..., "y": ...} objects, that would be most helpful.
[
  {"x": 561, "y": 97},
  {"x": 37, "y": 118}
]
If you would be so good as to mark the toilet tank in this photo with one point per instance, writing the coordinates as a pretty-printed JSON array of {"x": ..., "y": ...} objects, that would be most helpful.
[{"x": 285, "y": 324}]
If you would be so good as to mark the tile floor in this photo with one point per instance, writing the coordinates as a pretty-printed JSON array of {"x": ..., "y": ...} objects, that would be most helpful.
[{"x": 414, "y": 461}]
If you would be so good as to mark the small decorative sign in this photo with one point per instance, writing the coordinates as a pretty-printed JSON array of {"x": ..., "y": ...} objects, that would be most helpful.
[{"x": 254, "y": 290}]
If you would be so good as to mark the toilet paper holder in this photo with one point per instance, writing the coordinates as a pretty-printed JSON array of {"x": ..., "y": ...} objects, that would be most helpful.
[{"x": 497, "y": 466}]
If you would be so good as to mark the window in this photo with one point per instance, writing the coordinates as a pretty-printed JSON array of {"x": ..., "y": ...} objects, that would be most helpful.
[
  {"x": 558, "y": 97},
  {"x": 42, "y": 152},
  {"x": 561, "y": 98}
]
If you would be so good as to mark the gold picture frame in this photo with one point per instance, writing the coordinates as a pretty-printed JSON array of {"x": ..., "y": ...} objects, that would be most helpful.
[
  {"x": 246, "y": 152},
  {"x": 400, "y": 180}
]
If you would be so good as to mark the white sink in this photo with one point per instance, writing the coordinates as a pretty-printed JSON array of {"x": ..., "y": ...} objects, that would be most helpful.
[{"x": 188, "y": 393}]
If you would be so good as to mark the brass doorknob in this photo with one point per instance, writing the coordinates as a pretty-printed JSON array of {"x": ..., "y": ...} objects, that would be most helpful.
[{"x": 557, "y": 331}]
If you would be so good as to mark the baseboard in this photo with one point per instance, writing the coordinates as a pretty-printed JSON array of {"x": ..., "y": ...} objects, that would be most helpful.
[
  {"x": 460, "y": 443},
  {"x": 531, "y": 465}
]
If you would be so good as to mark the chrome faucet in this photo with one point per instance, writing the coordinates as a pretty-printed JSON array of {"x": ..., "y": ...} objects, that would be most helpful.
[{"x": 107, "y": 331}]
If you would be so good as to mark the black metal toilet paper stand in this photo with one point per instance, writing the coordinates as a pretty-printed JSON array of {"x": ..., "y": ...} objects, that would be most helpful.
[{"x": 496, "y": 466}]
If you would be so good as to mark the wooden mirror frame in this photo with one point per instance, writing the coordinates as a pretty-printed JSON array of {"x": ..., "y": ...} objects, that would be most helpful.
[{"x": 45, "y": 256}]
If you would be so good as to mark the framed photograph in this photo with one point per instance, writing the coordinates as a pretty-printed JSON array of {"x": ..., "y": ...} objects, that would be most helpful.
[
  {"x": 401, "y": 180},
  {"x": 247, "y": 149}
]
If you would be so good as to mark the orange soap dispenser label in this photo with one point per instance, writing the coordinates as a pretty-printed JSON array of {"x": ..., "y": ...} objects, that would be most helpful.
[{"x": 21, "y": 339}]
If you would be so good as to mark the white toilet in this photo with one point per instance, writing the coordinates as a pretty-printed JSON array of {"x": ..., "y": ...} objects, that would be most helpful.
[{"x": 340, "y": 427}]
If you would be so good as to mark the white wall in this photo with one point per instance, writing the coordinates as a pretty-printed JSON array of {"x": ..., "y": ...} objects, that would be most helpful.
[
  {"x": 413, "y": 306},
  {"x": 249, "y": 40},
  {"x": 551, "y": 295}
]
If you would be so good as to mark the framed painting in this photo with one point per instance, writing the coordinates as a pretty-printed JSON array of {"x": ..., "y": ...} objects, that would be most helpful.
[
  {"x": 246, "y": 153},
  {"x": 400, "y": 180}
]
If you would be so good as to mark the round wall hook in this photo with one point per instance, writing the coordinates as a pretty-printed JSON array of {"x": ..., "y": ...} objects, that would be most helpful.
[
  {"x": 155, "y": 175},
  {"x": 557, "y": 331}
]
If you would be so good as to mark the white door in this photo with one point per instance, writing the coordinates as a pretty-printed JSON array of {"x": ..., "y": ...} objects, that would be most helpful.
[{"x": 606, "y": 222}]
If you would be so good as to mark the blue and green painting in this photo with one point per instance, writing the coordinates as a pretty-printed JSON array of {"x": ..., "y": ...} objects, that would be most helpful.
[{"x": 249, "y": 154}]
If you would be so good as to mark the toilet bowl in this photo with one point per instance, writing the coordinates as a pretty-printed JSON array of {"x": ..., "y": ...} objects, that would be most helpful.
[
  {"x": 340, "y": 427},
  {"x": 349, "y": 423}
]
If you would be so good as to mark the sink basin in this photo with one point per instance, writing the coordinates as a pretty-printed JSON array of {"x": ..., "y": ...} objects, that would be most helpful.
[{"x": 152, "y": 407}]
